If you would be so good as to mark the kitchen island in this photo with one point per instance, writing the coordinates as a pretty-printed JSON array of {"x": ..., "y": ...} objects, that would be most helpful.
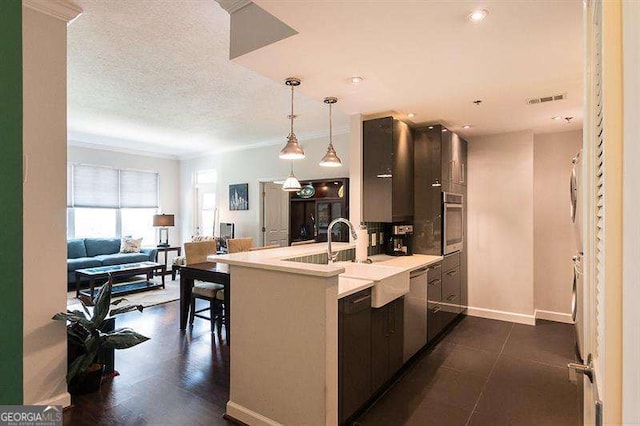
[{"x": 284, "y": 356}]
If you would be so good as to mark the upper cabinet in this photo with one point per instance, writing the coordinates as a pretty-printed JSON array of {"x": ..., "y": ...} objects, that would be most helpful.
[
  {"x": 454, "y": 157},
  {"x": 387, "y": 171}
]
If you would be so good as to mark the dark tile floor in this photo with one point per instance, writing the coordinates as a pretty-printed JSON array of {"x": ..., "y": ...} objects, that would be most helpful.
[
  {"x": 484, "y": 372},
  {"x": 487, "y": 372}
]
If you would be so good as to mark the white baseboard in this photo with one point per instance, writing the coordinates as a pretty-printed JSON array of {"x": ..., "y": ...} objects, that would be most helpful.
[
  {"x": 246, "y": 416},
  {"x": 501, "y": 315},
  {"x": 553, "y": 316},
  {"x": 63, "y": 399}
]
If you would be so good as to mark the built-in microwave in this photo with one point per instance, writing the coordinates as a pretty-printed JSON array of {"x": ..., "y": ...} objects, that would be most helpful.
[{"x": 453, "y": 222}]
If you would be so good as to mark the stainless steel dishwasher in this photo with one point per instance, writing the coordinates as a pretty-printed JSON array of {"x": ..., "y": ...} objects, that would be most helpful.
[{"x": 415, "y": 314}]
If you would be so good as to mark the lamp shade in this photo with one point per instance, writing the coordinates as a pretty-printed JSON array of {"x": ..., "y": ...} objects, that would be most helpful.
[
  {"x": 292, "y": 150},
  {"x": 163, "y": 220},
  {"x": 291, "y": 184},
  {"x": 331, "y": 159}
]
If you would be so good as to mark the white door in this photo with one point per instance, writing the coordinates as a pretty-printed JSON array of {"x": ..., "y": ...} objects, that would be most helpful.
[
  {"x": 601, "y": 228},
  {"x": 275, "y": 210}
]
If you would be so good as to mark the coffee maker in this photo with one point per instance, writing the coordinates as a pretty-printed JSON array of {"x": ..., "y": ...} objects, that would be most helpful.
[{"x": 399, "y": 242}]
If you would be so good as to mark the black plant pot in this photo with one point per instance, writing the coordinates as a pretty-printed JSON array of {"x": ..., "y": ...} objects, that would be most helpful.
[{"x": 87, "y": 382}]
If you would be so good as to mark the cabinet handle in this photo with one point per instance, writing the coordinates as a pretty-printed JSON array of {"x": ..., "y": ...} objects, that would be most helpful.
[
  {"x": 431, "y": 268},
  {"x": 451, "y": 163},
  {"x": 436, "y": 309},
  {"x": 452, "y": 273},
  {"x": 361, "y": 299},
  {"x": 435, "y": 282},
  {"x": 462, "y": 173},
  {"x": 451, "y": 297}
]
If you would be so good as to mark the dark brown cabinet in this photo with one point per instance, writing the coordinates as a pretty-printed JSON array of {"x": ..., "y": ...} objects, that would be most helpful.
[
  {"x": 427, "y": 221},
  {"x": 435, "y": 320},
  {"x": 354, "y": 348},
  {"x": 444, "y": 292},
  {"x": 387, "y": 338},
  {"x": 440, "y": 165},
  {"x": 387, "y": 171},
  {"x": 311, "y": 210}
]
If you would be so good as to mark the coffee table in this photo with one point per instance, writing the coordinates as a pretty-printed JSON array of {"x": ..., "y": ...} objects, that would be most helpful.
[{"x": 127, "y": 269}]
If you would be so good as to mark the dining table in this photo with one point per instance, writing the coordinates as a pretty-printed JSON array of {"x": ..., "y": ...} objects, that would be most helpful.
[{"x": 209, "y": 272}]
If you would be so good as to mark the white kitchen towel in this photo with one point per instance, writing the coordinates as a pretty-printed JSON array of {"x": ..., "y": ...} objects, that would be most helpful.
[{"x": 362, "y": 243}]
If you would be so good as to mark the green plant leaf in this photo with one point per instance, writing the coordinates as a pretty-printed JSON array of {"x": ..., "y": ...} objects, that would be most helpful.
[
  {"x": 117, "y": 302},
  {"x": 74, "y": 317},
  {"x": 127, "y": 308},
  {"x": 122, "y": 338},
  {"x": 102, "y": 302}
]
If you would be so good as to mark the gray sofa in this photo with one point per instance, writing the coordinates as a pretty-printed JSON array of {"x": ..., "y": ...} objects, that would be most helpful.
[{"x": 91, "y": 252}]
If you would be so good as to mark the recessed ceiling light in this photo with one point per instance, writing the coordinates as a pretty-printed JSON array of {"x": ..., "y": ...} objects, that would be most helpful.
[
  {"x": 466, "y": 126},
  {"x": 411, "y": 115},
  {"x": 477, "y": 15},
  {"x": 557, "y": 117},
  {"x": 444, "y": 130},
  {"x": 430, "y": 127},
  {"x": 356, "y": 79}
]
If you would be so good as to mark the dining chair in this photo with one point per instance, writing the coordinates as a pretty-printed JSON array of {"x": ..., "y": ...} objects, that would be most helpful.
[
  {"x": 197, "y": 252},
  {"x": 238, "y": 245}
]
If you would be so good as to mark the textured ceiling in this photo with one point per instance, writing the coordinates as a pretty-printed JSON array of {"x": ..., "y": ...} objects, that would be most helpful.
[
  {"x": 155, "y": 77},
  {"x": 425, "y": 57}
]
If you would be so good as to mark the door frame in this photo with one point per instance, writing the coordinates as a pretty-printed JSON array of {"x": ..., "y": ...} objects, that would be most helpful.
[{"x": 631, "y": 206}]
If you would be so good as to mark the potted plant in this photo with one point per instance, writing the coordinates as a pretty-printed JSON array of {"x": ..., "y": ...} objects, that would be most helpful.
[{"x": 87, "y": 340}]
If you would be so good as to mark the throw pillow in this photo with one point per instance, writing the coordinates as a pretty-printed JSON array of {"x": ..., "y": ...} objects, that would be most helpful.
[{"x": 130, "y": 245}]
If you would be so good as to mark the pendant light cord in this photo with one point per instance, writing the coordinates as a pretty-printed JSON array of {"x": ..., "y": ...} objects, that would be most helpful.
[
  {"x": 331, "y": 125},
  {"x": 291, "y": 133}
]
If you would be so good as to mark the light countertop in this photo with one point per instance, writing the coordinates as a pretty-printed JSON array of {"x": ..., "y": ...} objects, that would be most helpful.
[
  {"x": 353, "y": 277},
  {"x": 275, "y": 259},
  {"x": 408, "y": 263}
]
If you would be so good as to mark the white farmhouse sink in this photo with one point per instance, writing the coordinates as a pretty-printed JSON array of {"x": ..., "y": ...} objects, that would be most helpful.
[{"x": 389, "y": 282}]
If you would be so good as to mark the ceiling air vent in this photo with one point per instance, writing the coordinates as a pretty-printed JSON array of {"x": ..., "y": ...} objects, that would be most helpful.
[{"x": 543, "y": 99}]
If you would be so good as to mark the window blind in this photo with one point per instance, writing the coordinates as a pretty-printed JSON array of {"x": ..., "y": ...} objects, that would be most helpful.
[
  {"x": 138, "y": 189},
  {"x": 94, "y": 186},
  {"x": 105, "y": 187}
]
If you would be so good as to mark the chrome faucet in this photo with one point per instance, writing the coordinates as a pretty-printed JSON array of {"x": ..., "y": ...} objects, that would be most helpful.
[{"x": 330, "y": 255}]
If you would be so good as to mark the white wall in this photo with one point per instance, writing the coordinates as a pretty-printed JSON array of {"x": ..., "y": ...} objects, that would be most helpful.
[
  {"x": 500, "y": 225},
  {"x": 168, "y": 169},
  {"x": 521, "y": 240},
  {"x": 44, "y": 208},
  {"x": 253, "y": 166},
  {"x": 554, "y": 238}
]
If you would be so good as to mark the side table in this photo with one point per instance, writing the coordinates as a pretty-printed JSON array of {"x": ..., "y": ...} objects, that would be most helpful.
[{"x": 166, "y": 251}]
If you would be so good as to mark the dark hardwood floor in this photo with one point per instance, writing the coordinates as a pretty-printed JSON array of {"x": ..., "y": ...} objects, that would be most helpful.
[
  {"x": 176, "y": 378},
  {"x": 489, "y": 373},
  {"x": 484, "y": 372}
]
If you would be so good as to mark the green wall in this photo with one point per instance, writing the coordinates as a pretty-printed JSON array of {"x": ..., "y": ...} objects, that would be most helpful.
[{"x": 11, "y": 202}]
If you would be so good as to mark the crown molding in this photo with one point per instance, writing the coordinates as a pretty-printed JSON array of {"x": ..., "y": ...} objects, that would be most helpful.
[
  {"x": 232, "y": 6},
  {"x": 59, "y": 9},
  {"x": 100, "y": 147}
]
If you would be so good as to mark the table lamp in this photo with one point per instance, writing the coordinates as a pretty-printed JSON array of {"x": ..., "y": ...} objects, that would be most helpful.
[{"x": 163, "y": 221}]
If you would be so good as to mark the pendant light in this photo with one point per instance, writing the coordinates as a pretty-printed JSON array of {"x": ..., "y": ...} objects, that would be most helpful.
[
  {"x": 330, "y": 159},
  {"x": 292, "y": 150},
  {"x": 291, "y": 184}
]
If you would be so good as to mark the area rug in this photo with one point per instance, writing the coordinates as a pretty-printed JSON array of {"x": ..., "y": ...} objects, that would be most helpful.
[{"x": 153, "y": 297}]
